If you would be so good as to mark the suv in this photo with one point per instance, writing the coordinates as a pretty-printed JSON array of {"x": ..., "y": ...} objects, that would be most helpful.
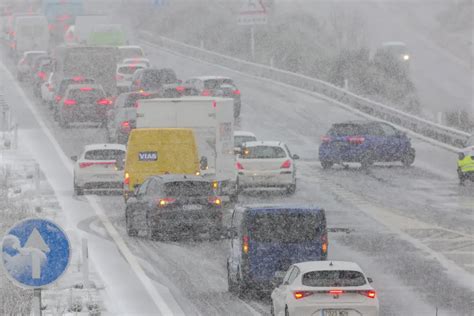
[
  {"x": 217, "y": 86},
  {"x": 172, "y": 204},
  {"x": 60, "y": 90},
  {"x": 267, "y": 239},
  {"x": 152, "y": 79},
  {"x": 365, "y": 142},
  {"x": 83, "y": 103}
]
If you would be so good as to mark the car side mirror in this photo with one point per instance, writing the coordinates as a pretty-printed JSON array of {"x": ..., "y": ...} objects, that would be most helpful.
[
  {"x": 370, "y": 280},
  {"x": 135, "y": 191},
  {"x": 203, "y": 163},
  {"x": 119, "y": 164},
  {"x": 278, "y": 278},
  {"x": 295, "y": 157},
  {"x": 74, "y": 158}
]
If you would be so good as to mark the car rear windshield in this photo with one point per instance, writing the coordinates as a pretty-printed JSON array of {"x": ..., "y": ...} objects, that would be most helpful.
[
  {"x": 160, "y": 76},
  {"x": 66, "y": 82},
  {"x": 86, "y": 96},
  {"x": 335, "y": 278},
  {"x": 188, "y": 188},
  {"x": 131, "y": 52},
  {"x": 238, "y": 140},
  {"x": 104, "y": 154},
  {"x": 217, "y": 83},
  {"x": 263, "y": 152},
  {"x": 347, "y": 130},
  {"x": 288, "y": 228},
  {"x": 129, "y": 70}
]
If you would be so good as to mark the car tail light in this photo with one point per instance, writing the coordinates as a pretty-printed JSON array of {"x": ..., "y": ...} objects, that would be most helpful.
[
  {"x": 166, "y": 201},
  {"x": 286, "y": 164},
  {"x": 324, "y": 243},
  {"x": 245, "y": 244},
  {"x": 57, "y": 98},
  {"x": 77, "y": 78},
  {"x": 125, "y": 126},
  {"x": 369, "y": 293},
  {"x": 126, "y": 180},
  {"x": 326, "y": 139},
  {"x": 356, "y": 140},
  {"x": 214, "y": 104},
  {"x": 86, "y": 88},
  {"x": 42, "y": 75},
  {"x": 180, "y": 89},
  {"x": 236, "y": 92},
  {"x": 206, "y": 93},
  {"x": 50, "y": 87},
  {"x": 85, "y": 164},
  {"x": 70, "y": 102},
  {"x": 104, "y": 102},
  {"x": 145, "y": 94},
  {"x": 301, "y": 294},
  {"x": 215, "y": 200},
  {"x": 239, "y": 166}
]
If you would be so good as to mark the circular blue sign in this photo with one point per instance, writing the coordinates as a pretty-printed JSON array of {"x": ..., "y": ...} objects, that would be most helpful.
[{"x": 35, "y": 253}]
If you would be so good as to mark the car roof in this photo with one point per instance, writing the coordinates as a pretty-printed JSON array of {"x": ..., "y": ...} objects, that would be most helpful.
[
  {"x": 244, "y": 133},
  {"x": 356, "y": 122},
  {"x": 264, "y": 143},
  {"x": 275, "y": 208},
  {"x": 135, "y": 58},
  {"x": 105, "y": 146},
  {"x": 309, "y": 266},
  {"x": 210, "y": 77},
  {"x": 180, "y": 177},
  {"x": 132, "y": 65},
  {"x": 29, "y": 52}
]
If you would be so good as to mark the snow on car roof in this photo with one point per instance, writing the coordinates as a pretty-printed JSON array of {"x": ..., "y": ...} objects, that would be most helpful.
[
  {"x": 105, "y": 146},
  {"x": 243, "y": 133},
  {"x": 327, "y": 265},
  {"x": 264, "y": 143}
]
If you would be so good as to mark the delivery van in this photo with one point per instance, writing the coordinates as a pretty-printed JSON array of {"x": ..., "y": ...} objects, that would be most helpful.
[{"x": 156, "y": 151}]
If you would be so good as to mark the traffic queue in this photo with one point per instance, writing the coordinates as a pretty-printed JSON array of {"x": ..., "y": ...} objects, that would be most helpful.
[{"x": 174, "y": 155}]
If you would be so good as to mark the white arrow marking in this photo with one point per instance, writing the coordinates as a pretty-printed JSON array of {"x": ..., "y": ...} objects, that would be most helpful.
[{"x": 35, "y": 241}]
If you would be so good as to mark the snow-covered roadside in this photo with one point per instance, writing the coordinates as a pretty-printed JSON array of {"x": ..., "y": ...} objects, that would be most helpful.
[{"x": 26, "y": 193}]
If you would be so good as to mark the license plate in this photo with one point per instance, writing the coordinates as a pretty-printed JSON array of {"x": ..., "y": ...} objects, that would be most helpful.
[
  {"x": 336, "y": 313},
  {"x": 104, "y": 176},
  {"x": 192, "y": 207}
]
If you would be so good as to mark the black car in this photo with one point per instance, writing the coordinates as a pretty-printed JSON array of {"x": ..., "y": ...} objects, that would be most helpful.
[
  {"x": 60, "y": 90},
  {"x": 152, "y": 79},
  {"x": 169, "y": 206}
]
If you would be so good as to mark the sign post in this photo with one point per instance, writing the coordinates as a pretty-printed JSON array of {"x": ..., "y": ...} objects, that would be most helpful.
[
  {"x": 35, "y": 253},
  {"x": 252, "y": 12}
]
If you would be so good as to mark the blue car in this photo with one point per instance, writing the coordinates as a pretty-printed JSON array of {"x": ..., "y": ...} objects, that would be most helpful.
[
  {"x": 267, "y": 239},
  {"x": 365, "y": 142}
]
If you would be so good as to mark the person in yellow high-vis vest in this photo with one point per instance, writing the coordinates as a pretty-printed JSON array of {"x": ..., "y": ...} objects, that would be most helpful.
[{"x": 466, "y": 166}]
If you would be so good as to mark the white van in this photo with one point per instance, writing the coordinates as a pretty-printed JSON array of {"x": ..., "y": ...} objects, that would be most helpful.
[{"x": 31, "y": 33}]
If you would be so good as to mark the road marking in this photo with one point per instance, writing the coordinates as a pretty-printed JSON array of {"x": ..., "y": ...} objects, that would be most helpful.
[{"x": 156, "y": 297}]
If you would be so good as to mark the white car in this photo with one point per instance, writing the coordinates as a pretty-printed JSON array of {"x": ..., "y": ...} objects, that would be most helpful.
[
  {"x": 264, "y": 164},
  {"x": 124, "y": 74},
  {"x": 96, "y": 168},
  {"x": 241, "y": 137},
  {"x": 47, "y": 90},
  {"x": 326, "y": 288},
  {"x": 138, "y": 60}
]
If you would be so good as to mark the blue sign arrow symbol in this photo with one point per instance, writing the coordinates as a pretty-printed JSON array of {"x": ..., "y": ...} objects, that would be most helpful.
[{"x": 35, "y": 241}]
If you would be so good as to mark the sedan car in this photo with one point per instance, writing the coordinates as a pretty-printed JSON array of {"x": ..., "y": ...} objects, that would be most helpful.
[
  {"x": 95, "y": 168},
  {"x": 170, "y": 205},
  {"x": 365, "y": 142},
  {"x": 264, "y": 164},
  {"x": 326, "y": 288}
]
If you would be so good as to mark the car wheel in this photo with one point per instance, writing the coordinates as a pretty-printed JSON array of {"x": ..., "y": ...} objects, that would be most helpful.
[
  {"x": 128, "y": 223},
  {"x": 231, "y": 286},
  {"x": 78, "y": 190},
  {"x": 326, "y": 164},
  {"x": 287, "y": 313},
  {"x": 272, "y": 309},
  {"x": 409, "y": 158}
]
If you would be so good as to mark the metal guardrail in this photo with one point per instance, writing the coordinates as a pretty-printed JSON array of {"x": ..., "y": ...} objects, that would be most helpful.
[{"x": 416, "y": 124}]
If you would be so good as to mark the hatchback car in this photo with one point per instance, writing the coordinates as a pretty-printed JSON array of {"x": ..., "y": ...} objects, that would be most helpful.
[
  {"x": 217, "y": 86},
  {"x": 124, "y": 74},
  {"x": 365, "y": 142},
  {"x": 152, "y": 79},
  {"x": 241, "y": 137},
  {"x": 267, "y": 239},
  {"x": 61, "y": 88},
  {"x": 95, "y": 168},
  {"x": 171, "y": 205},
  {"x": 266, "y": 164},
  {"x": 25, "y": 63},
  {"x": 84, "y": 103},
  {"x": 326, "y": 288}
]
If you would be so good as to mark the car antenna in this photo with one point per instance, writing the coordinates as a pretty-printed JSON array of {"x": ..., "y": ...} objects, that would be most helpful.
[{"x": 330, "y": 264}]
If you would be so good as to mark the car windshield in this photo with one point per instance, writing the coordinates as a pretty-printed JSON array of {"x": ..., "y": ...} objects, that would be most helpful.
[
  {"x": 188, "y": 188},
  {"x": 333, "y": 278},
  {"x": 263, "y": 152},
  {"x": 104, "y": 154},
  {"x": 347, "y": 130},
  {"x": 86, "y": 95},
  {"x": 217, "y": 83},
  {"x": 238, "y": 140},
  {"x": 288, "y": 228}
]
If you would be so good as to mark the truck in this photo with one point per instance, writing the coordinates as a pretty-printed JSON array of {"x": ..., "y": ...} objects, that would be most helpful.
[
  {"x": 212, "y": 120},
  {"x": 85, "y": 24},
  {"x": 61, "y": 14}
]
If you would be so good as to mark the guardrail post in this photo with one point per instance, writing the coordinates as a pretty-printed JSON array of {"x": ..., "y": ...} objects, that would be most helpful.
[
  {"x": 37, "y": 178},
  {"x": 85, "y": 263}
]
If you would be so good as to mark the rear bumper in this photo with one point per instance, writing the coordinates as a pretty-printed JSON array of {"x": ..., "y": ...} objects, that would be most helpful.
[
  {"x": 175, "y": 220},
  {"x": 95, "y": 181},
  {"x": 80, "y": 115},
  {"x": 265, "y": 179},
  {"x": 354, "y": 309}
]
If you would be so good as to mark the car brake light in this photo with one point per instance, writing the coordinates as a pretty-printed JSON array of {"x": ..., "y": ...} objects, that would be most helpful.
[
  {"x": 356, "y": 140},
  {"x": 85, "y": 164},
  {"x": 180, "y": 89},
  {"x": 286, "y": 164},
  {"x": 165, "y": 202},
  {"x": 369, "y": 293},
  {"x": 125, "y": 126},
  {"x": 245, "y": 244},
  {"x": 126, "y": 179},
  {"x": 70, "y": 102},
  {"x": 206, "y": 92},
  {"x": 236, "y": 92},
  {"x": 77, "y": 78},
  {"x": 145, "y": 94},
  {"x": 215, "y": 200},
  {"x": 326, "y": 139},
  {"x": 239, "y": 166},
  {"x": 301, "y": 294},
  {"x": 42, "y": 75},
  {"x": 57, "y": 98},
  {"x": 86, "y": 89},
  {"x": 336, "y": 292},
  {"x": 104, "y": 102}
]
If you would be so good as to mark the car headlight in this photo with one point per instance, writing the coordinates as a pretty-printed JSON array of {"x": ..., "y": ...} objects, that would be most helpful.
[{"x": 406, "y": 57}]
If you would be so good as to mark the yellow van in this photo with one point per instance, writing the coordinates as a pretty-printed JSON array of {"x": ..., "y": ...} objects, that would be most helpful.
[{"x": 155, "y": 151}]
